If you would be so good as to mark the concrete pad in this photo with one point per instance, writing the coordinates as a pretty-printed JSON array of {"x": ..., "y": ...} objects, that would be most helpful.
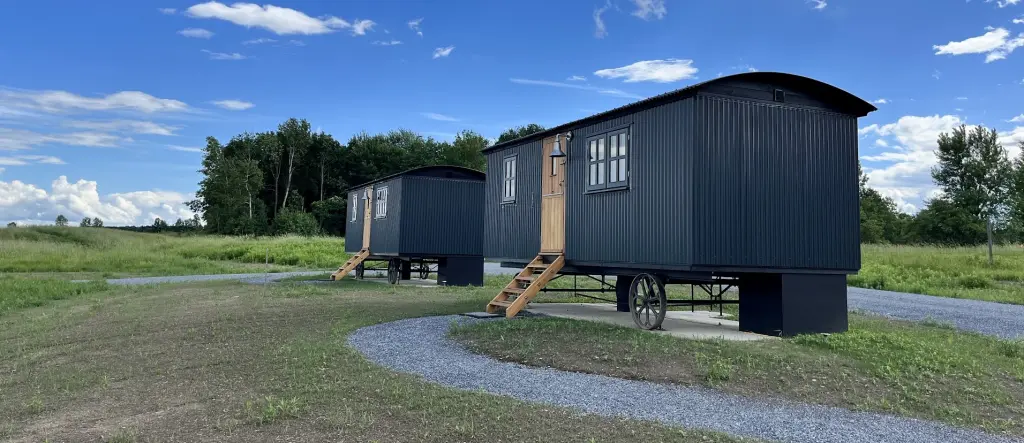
[{"x": 682, "y": 324}]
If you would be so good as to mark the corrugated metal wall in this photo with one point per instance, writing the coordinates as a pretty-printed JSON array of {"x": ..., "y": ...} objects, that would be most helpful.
[
  {"x": 512, "y": 230},
  {"x": 442, "y": 216},
  {"x": 384, "y": 232},
  {"x": 776, "y": 186},
  {"x": 354, "y": 229},
  {"x": 648, "y": 223}
]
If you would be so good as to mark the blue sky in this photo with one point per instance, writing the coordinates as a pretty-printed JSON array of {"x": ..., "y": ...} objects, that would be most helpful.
[{"x": 103, "y": 105}]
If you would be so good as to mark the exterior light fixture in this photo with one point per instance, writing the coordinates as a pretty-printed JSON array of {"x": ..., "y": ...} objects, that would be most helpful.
[{"x": 557, "y": 150}]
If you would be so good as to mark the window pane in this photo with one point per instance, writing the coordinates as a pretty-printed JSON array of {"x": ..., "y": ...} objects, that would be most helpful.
[
  {"x": 512, "y": 188},
  {"x": 600, "y": 173},
  {"x": 613, "y": 171},
  {"x": 600, "y": 149},
  {"x": 593, "y": 174},
  {"x": 622, "y": 143},
  {"x": 613, "y": 146},
  {"x": 622, "y": 170},
  {"x": 593, "y": 150},
  {"x": 513, "y": 167}
]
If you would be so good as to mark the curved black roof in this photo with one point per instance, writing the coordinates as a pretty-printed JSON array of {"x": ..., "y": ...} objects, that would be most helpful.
[
  {"x": 843, "y": 100},
  {"x": 435, "y": 171}
]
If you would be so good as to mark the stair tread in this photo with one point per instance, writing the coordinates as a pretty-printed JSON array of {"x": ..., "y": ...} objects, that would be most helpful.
[
  {"x": 514, "y": 290},
  {"x": 504, "y": 304}
]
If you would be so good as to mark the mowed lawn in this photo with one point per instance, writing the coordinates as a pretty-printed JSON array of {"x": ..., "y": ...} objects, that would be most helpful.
[
  {"x": 94, "y": 252},
  {"x": 236, "y": 362}
]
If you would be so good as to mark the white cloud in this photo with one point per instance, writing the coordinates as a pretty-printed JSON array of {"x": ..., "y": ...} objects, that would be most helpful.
[
  {"x": 233, "y": 105},
  {"x": 1004, "y": 3},
  {"x": 1019, "y": 21},
  {"x": 962, "y": 98},
  {"x": 600, "y": 31},
  {"x": 387, "y": 43},
  {"x": 1017, "y": 119},
  {"x": 224, "y": 56},
  {"x": 21, "y": 201},
  {"x": 937, "y": 74},
  {"x": 439, "y": 117},
  {"x": 184, "y": 148},
  {"x": 660, "y": 71},
  {"x": 881, "y": 143},
  {"x": 881, "y": 101},
  {"x": 61, "y": 101},
  {"x": 167, "y": 11},
  {"x": 276, "y": 19},
  {"x": 577, "y": 78},
  {"x": 605, "y": 91},
  {"x": 259, "y": 41},
  {"x": 646, "y": 9},
  {"x": 818, "y": 4},
  {"x": 443, "y": 52},
  {"x": 21, "y": 160},
  {"x": 132, "y": 126},
  {"x": 195, "y": 33},
  {"x": 996, "y": 44},
  {"x": 19, "y": 139},
  {"x": 415, "y": 26}
]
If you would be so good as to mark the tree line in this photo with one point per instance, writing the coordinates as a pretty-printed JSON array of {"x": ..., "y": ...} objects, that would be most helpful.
[
  {"x": 981, "y": 188},
  {"x": 292, "y": 180}
]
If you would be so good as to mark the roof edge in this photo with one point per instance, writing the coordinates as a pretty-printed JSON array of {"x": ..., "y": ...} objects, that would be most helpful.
[{"x": 480, "y": 174}]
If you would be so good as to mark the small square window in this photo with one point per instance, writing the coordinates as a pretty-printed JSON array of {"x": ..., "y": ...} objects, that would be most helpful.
[
  {"x": 381, "y": 202},
  {"x": 509, "y": 180},
  {"x": 608, "y": 169}
]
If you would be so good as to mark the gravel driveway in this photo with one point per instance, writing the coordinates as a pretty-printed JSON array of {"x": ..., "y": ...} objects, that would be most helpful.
[{"x": 419, "y": 346}]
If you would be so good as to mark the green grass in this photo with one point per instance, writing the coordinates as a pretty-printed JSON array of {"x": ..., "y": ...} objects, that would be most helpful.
[
  {"x": 944, "y": 271},
  {"x": 107, "y": 252},
  {"x": 930, "y": 372},
  {"x": 18, "y": 293},
  {"x": 226, "y": 361}
]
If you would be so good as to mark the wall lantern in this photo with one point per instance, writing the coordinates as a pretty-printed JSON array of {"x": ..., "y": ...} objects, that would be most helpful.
[{"x": 557, "y": 150}]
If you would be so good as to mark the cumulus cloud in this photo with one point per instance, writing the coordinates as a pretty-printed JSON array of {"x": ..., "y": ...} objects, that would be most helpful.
[
  {"x": 129, "y": 126},
  {"x": 647, "y": 9},
  {"x": 415, "y": 26},
  {"x": 195, "y": 33},
  {"x": 233, "y": 105},
  {"x": 603, "y": 91},
  {"x": 443, "y": 52},
  {"x": 1017, "y": 119},
  {"x": 20, "y": 202},
  {"x": 659, "y": 71},
  {"x": 439, "y": 117},
  {"x": 276, "y": 19},
  {"x": 996, "y": 44},
  {"x": 63, "y": 101},
  {"x": 19, "y": 139},
  {"x": 1004, "y": 3}
]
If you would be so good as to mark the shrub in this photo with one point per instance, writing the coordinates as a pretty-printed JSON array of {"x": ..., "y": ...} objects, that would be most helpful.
[{"x": 295, "y": 222}]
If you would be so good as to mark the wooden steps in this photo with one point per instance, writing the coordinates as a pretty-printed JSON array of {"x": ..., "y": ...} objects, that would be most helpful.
[
  {"x": 525, "y": 286},
  {"x": 350, "y": 264}
]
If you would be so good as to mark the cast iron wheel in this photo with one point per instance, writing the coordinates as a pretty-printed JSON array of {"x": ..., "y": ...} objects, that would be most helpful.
[
  {"x": 647, "y": 301},
  {"x": 424, "y": 271},
  {"x": 360, "y": 270},
  {"x": 394, "y": 270}
]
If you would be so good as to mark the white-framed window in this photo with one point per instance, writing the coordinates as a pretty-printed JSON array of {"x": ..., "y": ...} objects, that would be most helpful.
[
  {"x": 354, "y": 202},
  {"x": 381, "y": 201},
  {"x": 508, "y": 194},
  {"x": 608, "y": 160}
]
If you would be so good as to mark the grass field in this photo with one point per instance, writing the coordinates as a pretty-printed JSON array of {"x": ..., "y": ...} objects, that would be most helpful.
[
  {"x": 234, "y": 362},
  {"x": 93, "y": 253},
  {"x": 923, "y": 371}
]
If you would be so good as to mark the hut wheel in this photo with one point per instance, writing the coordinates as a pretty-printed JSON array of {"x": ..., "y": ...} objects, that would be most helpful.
[
  {"x": 394, "y": 270},
  {"x": 647, "y": 301},
  {"x": 424, "y": 271},
  {"x": 360, "y": 270}
]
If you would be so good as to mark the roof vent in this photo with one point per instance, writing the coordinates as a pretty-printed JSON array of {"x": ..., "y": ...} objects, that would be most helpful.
[{"x": 780, "y": 96}]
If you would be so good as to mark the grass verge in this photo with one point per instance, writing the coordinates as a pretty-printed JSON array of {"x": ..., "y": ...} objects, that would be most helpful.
[
  {"x": 230, "y": 362},
  {"x": 18, "y": 293},
  {"x": 929, "y": 372}
]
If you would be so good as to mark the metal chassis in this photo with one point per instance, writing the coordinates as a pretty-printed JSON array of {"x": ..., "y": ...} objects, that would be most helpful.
[{"x": 425, "y": 264}]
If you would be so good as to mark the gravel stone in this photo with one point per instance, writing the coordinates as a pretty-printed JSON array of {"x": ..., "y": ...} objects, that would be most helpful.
[
  {"x": 419, "y": 346},
  {"x": 999, "y": 319}
]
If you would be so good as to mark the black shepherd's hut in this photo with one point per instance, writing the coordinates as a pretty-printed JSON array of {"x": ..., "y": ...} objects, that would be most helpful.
[
  {"x": 421, "y": 217},
  {"x": 748, "y": 180}
]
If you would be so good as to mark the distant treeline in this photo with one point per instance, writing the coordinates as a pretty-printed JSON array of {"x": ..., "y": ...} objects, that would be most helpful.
[{"x": 292, "y": 180}]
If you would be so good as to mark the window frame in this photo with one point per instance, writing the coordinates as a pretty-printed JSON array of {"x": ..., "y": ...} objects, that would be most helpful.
[
  {"x": 508, "y": 191},
  {"x": 380, "y": 202},
  {"x": 602, "y": 161},
  {"x": 354, "y": 201}
]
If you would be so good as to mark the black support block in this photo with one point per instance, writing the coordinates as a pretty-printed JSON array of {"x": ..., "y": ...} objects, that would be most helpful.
[
  {"x": 460, "y": 271},
  {"x": 791, "y": 304},
  {"x": 622, "y": 283},
  {"x": 406, "y": 270}
]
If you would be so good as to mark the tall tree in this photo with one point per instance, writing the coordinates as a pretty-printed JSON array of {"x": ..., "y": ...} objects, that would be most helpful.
[
  {"x": 12, "y": 225},
  {"x": 97, "y": 222},
  {"x": 519, "y": 131},
  {"x": 973, "y": 170},
  {"x": 295, "y": 138},
  {"x": 465, "y": 151},
  {"x": 1015, "y": 200},
  {"x": 61, "y": 220},
  {"x": 270, "y": 145},
  {"x": 85, "y": 223}
]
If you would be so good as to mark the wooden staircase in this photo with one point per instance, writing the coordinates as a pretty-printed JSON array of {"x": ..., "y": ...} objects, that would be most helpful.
[
  {"x": 350, "y": 264},
  {"x": 525, "y": 286}
]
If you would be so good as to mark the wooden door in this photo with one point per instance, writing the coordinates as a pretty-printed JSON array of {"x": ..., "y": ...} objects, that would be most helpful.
[
  {"x": 367, "y": 215},
  {"x": 552, "y": 208}
]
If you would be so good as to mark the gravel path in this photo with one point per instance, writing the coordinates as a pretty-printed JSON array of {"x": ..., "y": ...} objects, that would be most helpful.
[
  {"x": 998, "y": 319},
  {"x": 247, "y": 278},
  {"x": 419, "y": 346}
]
